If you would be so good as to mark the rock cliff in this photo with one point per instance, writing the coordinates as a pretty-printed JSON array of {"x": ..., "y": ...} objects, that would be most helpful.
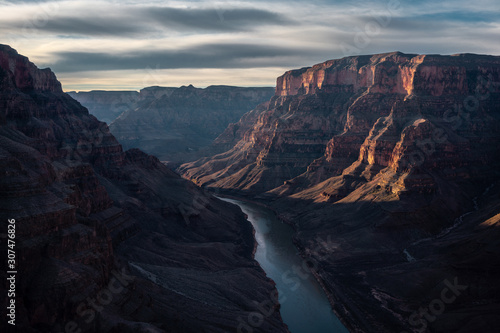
[
  {"x": 107, "y": 240},
  {"x": 359, "y": 115},
  {"x": 379, "y": 152}
]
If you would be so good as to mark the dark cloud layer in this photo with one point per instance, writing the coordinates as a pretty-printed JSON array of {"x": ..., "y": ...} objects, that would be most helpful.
[
  {"x": 148, "y": 20},
  {"x": 217, "y": 18},
  {"x": 202, "y": 56},
  {"x": 93, "y": 27}
]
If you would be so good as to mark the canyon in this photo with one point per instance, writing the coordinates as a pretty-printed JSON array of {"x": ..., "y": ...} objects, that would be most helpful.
[
  {"x": 109, "y": 240},
  {"x": 395, "y": 158},
  {"x": 174, "y": 124},
  {"x": 386, "y": 166}
]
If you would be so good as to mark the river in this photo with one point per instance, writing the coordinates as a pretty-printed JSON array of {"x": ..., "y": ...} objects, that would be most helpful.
[{"x": 304, "y": 305}]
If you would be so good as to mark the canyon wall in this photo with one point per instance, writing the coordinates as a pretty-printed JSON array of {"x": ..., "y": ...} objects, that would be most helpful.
[
  {"x": 359, "y": 115},
  {"x": 110, "y": 240},
  {"x": 391, "y": 156}
]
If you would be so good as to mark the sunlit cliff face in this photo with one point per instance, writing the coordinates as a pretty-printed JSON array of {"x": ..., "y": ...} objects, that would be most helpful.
[{"x": 388, "y": 73}]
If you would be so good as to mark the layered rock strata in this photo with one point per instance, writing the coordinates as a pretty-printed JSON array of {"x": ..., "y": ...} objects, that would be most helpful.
[{"x": 381, "y": 153}]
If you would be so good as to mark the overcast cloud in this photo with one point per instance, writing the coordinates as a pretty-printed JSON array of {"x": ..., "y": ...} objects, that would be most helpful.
[{"x": 112, "y": 44}]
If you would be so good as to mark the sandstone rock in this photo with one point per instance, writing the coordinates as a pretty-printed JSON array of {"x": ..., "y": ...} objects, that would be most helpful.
[
  {"x": 324, "y": 118},
  {"x": 388, "y": 155}
]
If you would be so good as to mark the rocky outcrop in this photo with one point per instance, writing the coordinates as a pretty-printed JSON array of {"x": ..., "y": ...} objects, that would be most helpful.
[
  {"x": 378, "y": 152},
  {"x": 108, "y": 240},
  {"x": 25, "y": 75}
]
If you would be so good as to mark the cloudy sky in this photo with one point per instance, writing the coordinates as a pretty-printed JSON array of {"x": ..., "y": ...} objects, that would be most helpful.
[{"x": 132, "y": 44}]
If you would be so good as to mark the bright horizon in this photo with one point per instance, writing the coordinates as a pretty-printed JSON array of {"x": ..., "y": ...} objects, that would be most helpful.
[{"x": 113, "y": 45}]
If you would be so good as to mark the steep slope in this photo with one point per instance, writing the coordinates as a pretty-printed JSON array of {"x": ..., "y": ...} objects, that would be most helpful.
[
  {"x": 181, "y": 125},
  {"x": 383, "y": 154},
  {"x": 108, "y": 240}
]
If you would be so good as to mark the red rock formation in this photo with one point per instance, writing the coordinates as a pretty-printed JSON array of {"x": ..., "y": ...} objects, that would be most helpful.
[
  {"x": 381, "y": 153},
  {"x": 85, "y": 210},
  {"x": 324, "y": 117}
]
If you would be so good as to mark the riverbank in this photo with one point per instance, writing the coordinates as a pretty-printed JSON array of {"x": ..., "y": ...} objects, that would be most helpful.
[{"x": 335, "y": 303}]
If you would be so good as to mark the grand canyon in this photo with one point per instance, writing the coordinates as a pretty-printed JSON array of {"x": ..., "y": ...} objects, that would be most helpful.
[
  {"x": 391, "y": 159},
  {"x": 172, "y": 167}
]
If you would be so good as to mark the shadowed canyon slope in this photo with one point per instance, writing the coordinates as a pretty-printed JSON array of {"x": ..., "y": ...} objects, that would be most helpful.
[
  {"x": 174, "y": 124},
  {"x": 109, "y": 240},
  {"x": 384, "y": 154}
]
